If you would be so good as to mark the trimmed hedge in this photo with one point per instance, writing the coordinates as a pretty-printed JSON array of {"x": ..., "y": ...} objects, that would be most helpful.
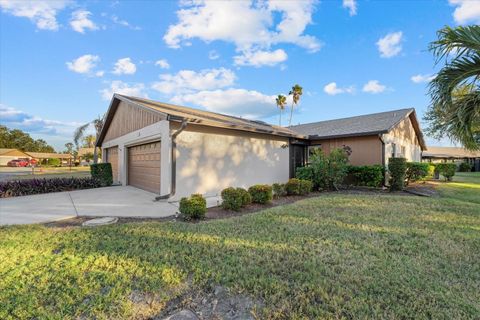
[
  {"x": 103, "y": 173},
  {"x": 446, "y": 169},
  {"x": 234, "y": 199},
  {"x": 261, "y": 193},
  {"x": 18, "y": 188},
  {"x": 194, "y": 207},
  {"x": 397, "y": 168},
  {"x": 464, "y": 167},
  {"x": 296, "y": 186},
  {"x": 306, "y": 187},
  {"x": 369, "y": 176},
  {"x": 305, "y": 173},
  {"x": 279, "y": 190},
  {"x": 416, "y": 171}
]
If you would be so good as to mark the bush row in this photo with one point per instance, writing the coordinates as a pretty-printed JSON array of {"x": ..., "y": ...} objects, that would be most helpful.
[
  {"x": 446, "y": 169},
  {"x": 369, "y": 176},
  {"x": 37, "y": 186}
]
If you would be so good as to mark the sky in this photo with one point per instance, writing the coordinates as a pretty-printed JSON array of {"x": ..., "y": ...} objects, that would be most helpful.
[{"x": 61, "y": 61}]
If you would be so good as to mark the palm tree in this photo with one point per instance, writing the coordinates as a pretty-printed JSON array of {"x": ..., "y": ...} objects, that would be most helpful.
[
  {"x": 80, "y": 131},
  {"x": 455, "y": 90},
  {"x": 89, "y": 141},
  {"x": 281, "y": 102},
  {"x": 296, "y": 93}
]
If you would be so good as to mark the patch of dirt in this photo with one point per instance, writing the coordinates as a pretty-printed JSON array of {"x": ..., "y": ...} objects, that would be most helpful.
[
  {"x": 77, "y": 221},
  {"x": 217, "y": 303},
  {"x": 425, "y": 189}
]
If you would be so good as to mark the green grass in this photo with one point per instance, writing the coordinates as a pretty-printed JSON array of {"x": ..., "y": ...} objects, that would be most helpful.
[
  {"x": 52, "y": 172},
  {"x": 334, "y": 256}
]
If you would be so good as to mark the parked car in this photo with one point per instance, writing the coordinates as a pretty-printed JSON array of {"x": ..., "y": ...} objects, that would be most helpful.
[{"x": 22, "y": 162}]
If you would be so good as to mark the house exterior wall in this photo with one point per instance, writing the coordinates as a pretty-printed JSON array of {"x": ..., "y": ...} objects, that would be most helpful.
[
  {"x": 12, "y": 155},
  {"x": 403, "y": 135},
  {"x": 211, "y": 159},
  {"x": 366, "y": 150}
]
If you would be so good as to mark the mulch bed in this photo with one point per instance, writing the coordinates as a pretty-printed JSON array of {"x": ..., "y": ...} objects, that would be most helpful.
[{"x": 417, "y": 189}]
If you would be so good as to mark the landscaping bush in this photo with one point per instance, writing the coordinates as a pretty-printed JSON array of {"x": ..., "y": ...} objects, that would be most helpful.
[
  {"x": 368, "y": 176},
  {"x": 261, "y": 193},
  {"x": 245, "y": 196},
  {"x": 279, "y": 190},
  {"x": 292, "y": 187},
  {"x": 397, "y": 168},
  {"x": 17, "y": 188},
  {"x": 234, "y": 199},
  {"x": 304, "y": 173},
  {"x": 464, "y": 167},
  {"x": 329, "y": 171},
  {"x": 306, "y": 187},
  {"x": 53, "y": 162},
  {"x": 416, "y": 171},
  {"x": 447, "y": 170},
  {"x": 194, "y": 207},
  {"x": 103, "y": 173},
  {"x": 431, "y": 171}
]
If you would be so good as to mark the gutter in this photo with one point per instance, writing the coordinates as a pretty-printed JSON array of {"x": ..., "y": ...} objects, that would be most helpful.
[{"x": 173, "y": 181}]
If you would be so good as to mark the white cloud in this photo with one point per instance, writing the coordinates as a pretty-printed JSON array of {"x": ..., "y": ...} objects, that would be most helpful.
[
  {"x": 240, "y": 102},
  {"x": 260, "y": 58},
  {"x": 80, "y": 21},
  {"x": 251, "y": 26},
  {"x": 466, "y": 11},
  {"x": 124, "y": 66},
  {"x": 162, "y": 63},
  {"x": 189, "y": 80},
  {"x": 419, "y": 78},
  {"x": 117, "y": 86},
  {"x": 84, "y": 64},
  {"x": 390, "y": 45},
  {"x": 351, "y": 5},
  {"x": 213, "y": 55},
  {"x": 42, "y": 13},
  {"x": 124, "y": 23},
  {"x": 374, "y": 86},
  {"x": 332, "y": 89},
  {"x": 17, "y": 119}
]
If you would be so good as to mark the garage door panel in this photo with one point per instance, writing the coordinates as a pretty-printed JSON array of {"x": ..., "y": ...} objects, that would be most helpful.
[{"x": 144, "y": 166}]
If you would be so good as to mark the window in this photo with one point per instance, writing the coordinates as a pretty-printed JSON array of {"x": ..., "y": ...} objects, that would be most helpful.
[{"x": 394, "y": 150}]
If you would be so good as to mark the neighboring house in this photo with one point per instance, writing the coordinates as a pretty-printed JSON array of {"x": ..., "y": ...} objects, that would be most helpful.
[
  {"x": 372, "y": 138},
  {"x": 176, "y": 151},
  {"x": 40, "y": 156},
  {"x": 7, "y": 155},
  {"x": 452, "y": 154}
]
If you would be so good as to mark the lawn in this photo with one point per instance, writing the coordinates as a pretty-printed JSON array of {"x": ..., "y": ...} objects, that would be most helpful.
[
  {"x": 46, "y": 172},
  {"x": 333, "y": 256}
]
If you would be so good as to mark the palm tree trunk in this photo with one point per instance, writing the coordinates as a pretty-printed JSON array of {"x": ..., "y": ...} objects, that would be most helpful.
[
  {"x": 280, "y": 118},
  {"x": 291, "y": 114}
]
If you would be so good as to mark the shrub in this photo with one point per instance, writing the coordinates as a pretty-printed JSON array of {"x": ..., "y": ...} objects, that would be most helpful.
[
  {"x": 292, "y": 187},
  {"x": 397, "y": 168},
  {"x": 279, "y": 190},
  {"x": 464, "y": 167},
  {"x": 431, "y": 171},
  {"x": 304, "y": 173},
  {"x": 194, "y": 207},
  {"x": 17, "y": 188},
  {"x": 416, "y": 171},
  {"x": 103, "y": 173},
  {"x": 369, "y": 176},
  {"x": 245, "y": 196},
  {"x": 329, "y": 171},
  {"x": 261, "y": 193},
  {"x": 446, "y": 169},
  {"x": 231, "y": 199},
  {"x": 306, "y": 187},
  {"x": 54, "y": 162}
]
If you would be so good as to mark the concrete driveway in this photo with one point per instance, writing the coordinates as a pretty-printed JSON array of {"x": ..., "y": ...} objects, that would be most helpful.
[{"x": 111, "y": 201}]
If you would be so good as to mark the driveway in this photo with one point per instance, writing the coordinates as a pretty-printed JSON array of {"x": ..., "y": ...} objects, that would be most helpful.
[{"x": 111, "y": 201}]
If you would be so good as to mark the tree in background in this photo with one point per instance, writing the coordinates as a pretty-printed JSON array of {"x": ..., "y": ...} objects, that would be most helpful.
[
  {"x": 296, "y": 93},
  {"x": 455, "y": 91},
  {"x": 80, "y": 132},
  {"x": 17, "y": 139},
  {"x": 89, "y": 141},
  {"x": 281, "y": 103}
]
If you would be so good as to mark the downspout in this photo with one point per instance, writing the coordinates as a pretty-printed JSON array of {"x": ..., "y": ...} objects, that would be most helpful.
[
  {"x": 380, "y": 136},
  {"x": 173, "y": 181}
]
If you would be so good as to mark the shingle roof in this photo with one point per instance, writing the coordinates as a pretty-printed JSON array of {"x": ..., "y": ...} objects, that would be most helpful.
[
  {"x": 360, "y": 125},
  {"x": 450, "y": 152},
  {"x": 48, "y": 155},
  {"x": 174, "y": 112}
]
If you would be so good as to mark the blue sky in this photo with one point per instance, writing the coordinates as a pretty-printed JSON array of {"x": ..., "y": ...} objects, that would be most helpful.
[{"x": 60, "y": 61}]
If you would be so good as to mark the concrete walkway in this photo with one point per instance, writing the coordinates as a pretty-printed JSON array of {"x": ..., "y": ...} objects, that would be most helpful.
[{"x": 111, "y": 201}]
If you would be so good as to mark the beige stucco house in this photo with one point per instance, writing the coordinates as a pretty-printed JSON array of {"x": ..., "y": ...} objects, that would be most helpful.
[
  {"x": 372, "y": 138},
  {"x": 175, "y": 151},
  {"x": 7, "y": 155},
  {"x": 452, "y": 154}
]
